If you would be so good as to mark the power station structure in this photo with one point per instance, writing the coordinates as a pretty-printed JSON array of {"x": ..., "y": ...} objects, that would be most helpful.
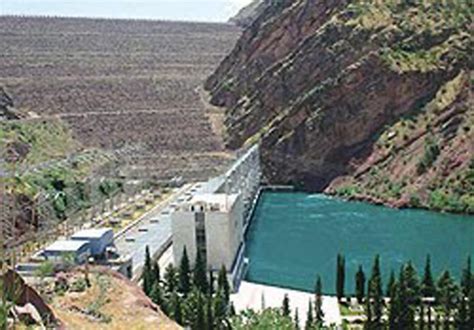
[{"x": 212, "y": 221}]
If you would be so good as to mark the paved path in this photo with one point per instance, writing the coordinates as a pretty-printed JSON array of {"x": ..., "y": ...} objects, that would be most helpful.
[
  {"x": 253, "y": 296},
  {"x": 152, "y": 229}
]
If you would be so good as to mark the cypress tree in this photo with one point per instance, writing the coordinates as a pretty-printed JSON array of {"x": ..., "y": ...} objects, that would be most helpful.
[
  {"x": 462, "y": 317},
  {"x": 309, "y": 317},
  {"x": 220, "y": 308},
  {"x": 223, "y": 284},
  {"x": 471, "y": 306},
  {"x": 209, "y": 315},
  {"x": 170, "y": 278},
  {"x": 199, "y": 322},
  {"x": 430, "y": 317},
  {"x": 360, "y": 285},
  {"x": 285, "y": 309},
  {"x": 428, "y": 286},
  {"x": 447, "y": 293},
  {"x": 297, "y": 320},
  {"x": 200, "y": 278},
  {"x": 156, "y": 273},
  {"x": 375, "y": 288},
  {"x": 368, "y": 309},
  {"x": 232, "y": 311},
  {"x": 211, "y": 283},
  {"x": 394, "y": 309},
  {"x": 184, "y": 274},
  {"x": 466, "y": 278},
  {"x": 318, "y": 303},
  {"x": 177, "y": 309},
  {"x": 406, "y": 313},
  {"x": 340, "y": 276},
  {"x": 390, "y": 285},
  {"x": 413, "y": 284},
  {"x": 421, "y": 316},
  {"x": 147, "y": 274},
  {"x": 157, "y": 296}
]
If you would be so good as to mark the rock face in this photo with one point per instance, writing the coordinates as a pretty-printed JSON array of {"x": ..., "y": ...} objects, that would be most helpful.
[
  {"x": 249, "y": 13},
  {"x": 371, "y": 100}
]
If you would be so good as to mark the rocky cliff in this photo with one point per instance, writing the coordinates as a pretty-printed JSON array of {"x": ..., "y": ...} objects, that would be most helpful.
[
  {"x": 249, "y": 13},
  {"x": 370, "y": 100}
]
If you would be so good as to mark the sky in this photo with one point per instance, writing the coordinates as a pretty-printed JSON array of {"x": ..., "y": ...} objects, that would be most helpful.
[{"x": 181, "y": 10}]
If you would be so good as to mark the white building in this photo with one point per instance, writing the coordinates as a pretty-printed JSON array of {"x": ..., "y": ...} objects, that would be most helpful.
[
  {"x": 213, "y": 219},
  {"x": 213, "y": 225}
]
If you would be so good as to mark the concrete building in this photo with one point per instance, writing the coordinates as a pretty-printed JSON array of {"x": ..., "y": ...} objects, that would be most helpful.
[
  {"x": 61, "y": 250},
  {"x": 99, "y": 239},
  {"x": 211, "y": 224}
]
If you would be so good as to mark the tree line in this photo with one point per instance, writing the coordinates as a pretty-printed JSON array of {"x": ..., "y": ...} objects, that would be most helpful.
[
  {"x": 196, "y": 299},
  {"x": 191, "y": 297},
  {"x": 409, "y": 302}
]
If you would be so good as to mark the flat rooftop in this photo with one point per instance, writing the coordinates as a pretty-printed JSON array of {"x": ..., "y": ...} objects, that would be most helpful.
[
  {"x": 221, "y": 202},
  {"x": 91, "y": 233},
  {"x": 66, "y": 246}
]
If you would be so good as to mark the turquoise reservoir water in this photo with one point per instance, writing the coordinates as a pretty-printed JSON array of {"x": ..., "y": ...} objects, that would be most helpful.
[{"x": 295, "y": 236}]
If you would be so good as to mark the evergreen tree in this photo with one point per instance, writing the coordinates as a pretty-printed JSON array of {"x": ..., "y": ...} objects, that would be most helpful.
[
  {"x": 428, "y": 286},
  {"x": 430, "y": 317},
  {"x": 309, "y": 317},
  {"x": 297, "y": 319},
  {"x": 360, "y": 284},
  {"x": 447, "y": 295},
  {"x": 147, "y": 274},
  {"x": 340, "y": 276},
  {"x": 318, "y": 303},
  {"x": 184, "y": 274},
  {"x": 222, "y": 283},
  {"x": 413, "y": 284},
  {"x": 368, "y": 310},
  {"x": 156, "y": 296},
  {"x": 199, "y": 322},
  {"x": 177, "y": 309},
  {"x": 285, "y": 309},
  {"x": 471, "y": 306},
  {"x": 232, "y": 311},
  {"x": 421, "y": 316},
  {"x": 390, "y": 284},
  {"x": 394, "y": 309},
  {"x": 156, "y": 273},
  {"x": 209, "y": 315},
  {"x": 462, "y": 315},
  {"x": 211, "y": 283},
  {"x": 406, "y": 310},
  {"x": 376, "y": 294},
  {"x": 171, "y": 279},
  {"x": 220, "y": 308},
  {"x": 467, "y": 278},
  {"x": 200, "y": 278}
]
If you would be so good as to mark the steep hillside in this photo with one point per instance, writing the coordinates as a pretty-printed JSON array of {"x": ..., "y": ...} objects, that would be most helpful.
[
  {"x": 55, "y": 177},
  {"x": 371, "y": 100},
  {"x": 249, "y": 13}
]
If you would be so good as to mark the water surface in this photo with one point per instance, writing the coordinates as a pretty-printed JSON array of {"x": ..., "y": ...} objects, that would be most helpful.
[{"x": 295, "y": 236}]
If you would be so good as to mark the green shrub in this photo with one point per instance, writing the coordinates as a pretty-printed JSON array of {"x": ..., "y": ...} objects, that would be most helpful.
[{"x": 430, "y": 155}]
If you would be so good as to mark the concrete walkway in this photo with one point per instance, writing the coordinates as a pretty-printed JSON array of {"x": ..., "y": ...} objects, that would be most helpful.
[{"x": 253, "y": 296}]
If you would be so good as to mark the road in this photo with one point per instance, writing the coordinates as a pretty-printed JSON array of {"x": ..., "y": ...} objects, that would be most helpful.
[{"x": 153, "y": 229}]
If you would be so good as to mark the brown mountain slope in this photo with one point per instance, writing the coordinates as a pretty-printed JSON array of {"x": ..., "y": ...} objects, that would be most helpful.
[{"x": 365, "y": 99}]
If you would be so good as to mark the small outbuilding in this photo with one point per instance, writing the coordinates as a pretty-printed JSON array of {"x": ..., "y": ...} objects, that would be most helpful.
[
  {"x": 99, "y": 239},
  {"x": 59, "y": 251}
]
